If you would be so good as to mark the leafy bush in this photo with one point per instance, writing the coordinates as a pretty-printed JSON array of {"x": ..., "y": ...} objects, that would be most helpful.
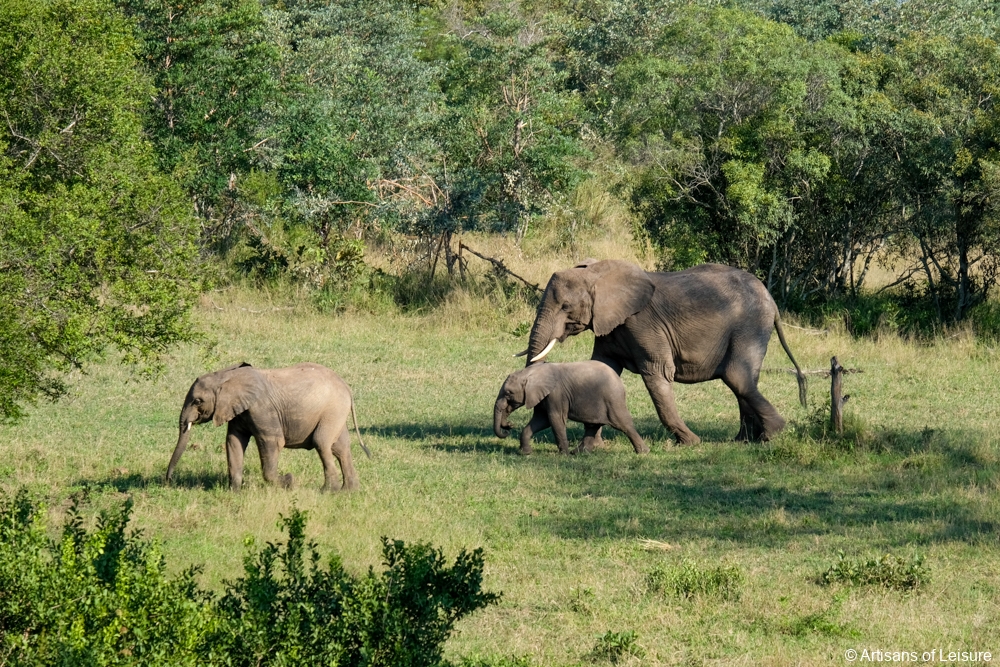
[
  {"x": 688, "y": 580},
  {"x": 613, "y": 646},
  {"x": 287, "y": 609},
  {"x": 822, "y": 622},
  {"x": 888, "y": 571},
  {"x": 92, "y": 598},
  {"x": 102, "y": 597}
]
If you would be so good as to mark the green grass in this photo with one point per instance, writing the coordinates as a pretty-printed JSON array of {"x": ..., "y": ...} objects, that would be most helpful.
[{"x": 917, "y": 474}]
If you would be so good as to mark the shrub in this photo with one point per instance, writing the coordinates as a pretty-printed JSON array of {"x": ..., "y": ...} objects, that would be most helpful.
[
  {"x": 91, "y": 598},
  {"x": 613, "y": 646},
  {"x": 102, "y": 597},
  {"x": 688, "y": 580},
  {"x": 888, "y": 571},
  {"x": 287, "y": 609}
]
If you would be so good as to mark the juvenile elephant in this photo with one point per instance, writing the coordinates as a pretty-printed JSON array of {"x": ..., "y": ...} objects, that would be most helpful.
[
  {"x": 300, "y": 407},
  {"x": 705, "y": 323},
  {"x": 589, "y": 392}
]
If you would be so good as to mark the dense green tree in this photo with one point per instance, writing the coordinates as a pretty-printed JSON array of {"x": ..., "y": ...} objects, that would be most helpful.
[
  {"x": 510, "y": 132},
  {"x": 95, "y": 244},
  {"x": 882, "y": 23},
  {"x": 213, "y": 72},
  {"x": 729, "y": 121},
  {"x": 943, "y": 127},
  {"x": 352, "y": 140}
]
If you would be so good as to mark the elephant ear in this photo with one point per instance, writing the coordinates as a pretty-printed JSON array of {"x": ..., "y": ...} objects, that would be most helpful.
[
  {"x": 237, "y": 393},
  {"x": 538, "y": 384},
  {"x": 620, "y": 290}
]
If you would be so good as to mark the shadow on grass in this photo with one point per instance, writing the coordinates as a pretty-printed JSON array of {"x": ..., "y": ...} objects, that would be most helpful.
[
  {"x": 201, "y": 480},
  {"x": 479, "y": 437},
  {"x": 903, "y": 488},
  {"x": 730, "y": 492}
]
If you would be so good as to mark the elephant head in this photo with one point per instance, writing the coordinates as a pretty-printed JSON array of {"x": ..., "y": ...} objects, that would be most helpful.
[
  {"x": 597, "y": 295},
  {"x": 218, "y": 397},
  {"x": 527, "y": 387}
]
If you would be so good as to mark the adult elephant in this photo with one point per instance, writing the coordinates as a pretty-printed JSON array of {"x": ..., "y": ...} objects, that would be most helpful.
[
  {"x": 705, "y": 323},
  {"x": 300, "y": 407}
]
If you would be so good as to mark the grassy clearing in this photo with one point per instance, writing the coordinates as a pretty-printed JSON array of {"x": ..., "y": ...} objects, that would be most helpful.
[{"x": 573, "y": 541}]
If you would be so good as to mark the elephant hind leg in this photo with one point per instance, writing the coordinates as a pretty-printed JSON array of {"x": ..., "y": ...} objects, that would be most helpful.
[
  {"x": 269, "y": 449},
  {"x": 621, "y": 419},
  {"x": 591, "y": 438},
  {"x": 751, "y": 426},
  {"x": 759, "y": 420},
  {"x": 334, "y": 448},
  {"x": 331, "y": 481}
]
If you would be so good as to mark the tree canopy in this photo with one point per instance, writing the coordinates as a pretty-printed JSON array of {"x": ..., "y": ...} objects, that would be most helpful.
[
  {"x": 96, "y": 244},
  {"x": 803, "y": 141}
]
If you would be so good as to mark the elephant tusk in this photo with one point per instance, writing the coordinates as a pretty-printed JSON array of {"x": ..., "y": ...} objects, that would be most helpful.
[
  {"x": 188, "y": 427},
  {"x": 548, "y": 348},
  {"x": 521, "y": 354}
]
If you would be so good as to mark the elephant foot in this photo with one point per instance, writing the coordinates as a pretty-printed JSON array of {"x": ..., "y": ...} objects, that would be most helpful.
[
  {"x": 688, "y": 438},
  {"x": 287, "y": 481},
  {"x": 525, "y": 451},
  {"x": 772, "y": 427},
  {"x": 644, "y": 449}
]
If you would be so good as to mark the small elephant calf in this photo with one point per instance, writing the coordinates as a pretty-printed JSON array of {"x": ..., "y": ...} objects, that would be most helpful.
[{"x": 589, "y": 392}]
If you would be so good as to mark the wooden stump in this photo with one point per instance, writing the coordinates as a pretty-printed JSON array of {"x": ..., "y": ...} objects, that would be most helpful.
[{"x": 836, "y": 400}]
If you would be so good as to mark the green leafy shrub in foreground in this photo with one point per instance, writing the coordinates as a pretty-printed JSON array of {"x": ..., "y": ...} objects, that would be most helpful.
[
  {"x": 97, "y": 597},
  {"x": 103, "y": 597},
  {"x": 888, "y": 571}
]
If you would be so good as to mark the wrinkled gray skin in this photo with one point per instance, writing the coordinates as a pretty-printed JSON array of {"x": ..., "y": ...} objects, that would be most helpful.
[
  {"x": 705, "y": 323},
  {"x": 589, "y": 392},
  {"x": 300, "y": 407}
]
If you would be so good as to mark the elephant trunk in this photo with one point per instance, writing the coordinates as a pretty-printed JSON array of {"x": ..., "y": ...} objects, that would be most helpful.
[
  {"x": 544, "y": 332},
  {"x": 182, "y": 443},
  {"x": 500, "y": 413}
]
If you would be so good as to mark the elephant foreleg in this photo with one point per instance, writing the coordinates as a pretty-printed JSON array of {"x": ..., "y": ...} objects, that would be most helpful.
[
  {"x": 558, "y": 422},
  {"x": 236, "y": 446},
  {"x": 269, "y": 448},
  {"x": 539, "y": 422},
  {"x": 662, "y": 392}
]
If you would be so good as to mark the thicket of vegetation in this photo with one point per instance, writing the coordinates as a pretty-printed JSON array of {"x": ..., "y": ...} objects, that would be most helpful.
[
  {"x": 147, "y": 145},
  {"x": 103, "y": 597}
]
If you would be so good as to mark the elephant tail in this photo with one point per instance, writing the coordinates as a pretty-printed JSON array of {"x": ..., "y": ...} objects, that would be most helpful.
[
  {"x": 798, "y": 371},
  {"x": 354, "y": 417}
]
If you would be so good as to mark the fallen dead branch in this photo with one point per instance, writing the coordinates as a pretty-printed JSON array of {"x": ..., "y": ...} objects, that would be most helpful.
[
  {"x": 251, "y": 310},
  {"x": 498, "y": 265},
  {"x": 822, "y": 372}
]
